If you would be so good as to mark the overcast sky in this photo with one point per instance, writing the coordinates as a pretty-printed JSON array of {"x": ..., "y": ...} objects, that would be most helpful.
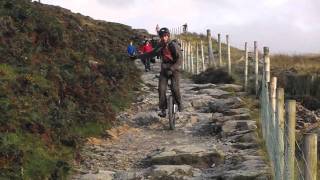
[{"x": 286, "y": 26}]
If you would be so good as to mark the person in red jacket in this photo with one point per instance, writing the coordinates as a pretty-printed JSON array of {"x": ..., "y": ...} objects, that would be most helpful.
[{"x": 147, "y": 47}]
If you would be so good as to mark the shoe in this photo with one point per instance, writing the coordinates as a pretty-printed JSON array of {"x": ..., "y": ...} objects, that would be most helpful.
[{"x": 162, "y": 113}]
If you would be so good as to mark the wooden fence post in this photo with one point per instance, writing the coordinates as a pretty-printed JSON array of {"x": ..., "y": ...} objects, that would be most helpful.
[
  {"x": 197, "y": 59},
  {"x": 219, "y": 49},
  {"x": 228, "y": 54},
  {"x": 290, "y": 137},
  {"x": 256, "y": 59},
  {"x": 210, "y": 51},
  {"x": 189, "y": 56},
  {"x": 246, "y": 66},
  {"x": 272, "y": 124},
  {"x": 267, "y": 63},
  {"x": 273, "y": 96},
  {"x": 310, "y": 154},
  {"x": 202, "y": 57},
  {"x": 279, "y": 133},
  {"x": 182, "y": 47},
  {"x": 191, "y": 60},
  {"x": 266, "y": 85}
]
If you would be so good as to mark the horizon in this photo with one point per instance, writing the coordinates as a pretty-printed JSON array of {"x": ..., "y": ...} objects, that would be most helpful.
[{"x": 294, "y": 34}]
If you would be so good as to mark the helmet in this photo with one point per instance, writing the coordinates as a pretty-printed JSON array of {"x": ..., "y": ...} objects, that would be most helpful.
[{"x": 164, "y": 31}]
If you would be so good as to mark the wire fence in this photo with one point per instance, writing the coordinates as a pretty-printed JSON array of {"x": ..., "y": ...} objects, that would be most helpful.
[
  {"x": 278, "y": 119},
  {"x": 289, "y": 159}
]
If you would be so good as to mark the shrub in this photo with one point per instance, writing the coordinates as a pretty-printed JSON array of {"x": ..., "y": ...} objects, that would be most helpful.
[{"x": 214, "y": 76}]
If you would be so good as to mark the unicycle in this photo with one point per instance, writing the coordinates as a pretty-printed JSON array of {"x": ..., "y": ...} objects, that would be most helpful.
[{"x": 172, "y": 108}]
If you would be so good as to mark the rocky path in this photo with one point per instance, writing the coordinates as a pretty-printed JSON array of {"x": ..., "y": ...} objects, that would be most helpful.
[{"x": 215, "y": 138}]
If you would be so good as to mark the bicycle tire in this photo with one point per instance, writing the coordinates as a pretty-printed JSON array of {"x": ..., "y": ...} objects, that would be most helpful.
[{"x": 172, "y": 120}]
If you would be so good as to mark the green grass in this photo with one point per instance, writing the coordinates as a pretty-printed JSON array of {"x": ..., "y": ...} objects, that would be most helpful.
[
  {"x": 90, "y": 129},
  {"x": 38, "y": 159},
  {"x": 7, "y": 72}
]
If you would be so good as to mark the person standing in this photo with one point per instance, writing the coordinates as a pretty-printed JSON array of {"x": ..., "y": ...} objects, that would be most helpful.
[
  {"x": 131, "y": 50},
  {"x": 157, "y": 29},
  {"x": 147, "y": 47}
]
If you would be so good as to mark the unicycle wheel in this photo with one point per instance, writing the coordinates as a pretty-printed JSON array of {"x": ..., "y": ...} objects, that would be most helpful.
[{"x": 172, "y": 120}]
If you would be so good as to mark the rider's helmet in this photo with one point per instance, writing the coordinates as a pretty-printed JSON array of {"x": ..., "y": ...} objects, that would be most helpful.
[{"x": 164, "y": 31}]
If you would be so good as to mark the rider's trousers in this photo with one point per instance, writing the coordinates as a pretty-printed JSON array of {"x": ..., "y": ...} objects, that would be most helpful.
[{"x": 163, "y": 85}]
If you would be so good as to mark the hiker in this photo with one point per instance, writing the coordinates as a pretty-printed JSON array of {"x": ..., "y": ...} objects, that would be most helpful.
[
  {"x": 170, "y": 53},
  {"x": 157, "y": 29},
  {"x": 185, "y": 28},
  {"x": 131, "y": 49},
  {"x": 147, "y": 47}
]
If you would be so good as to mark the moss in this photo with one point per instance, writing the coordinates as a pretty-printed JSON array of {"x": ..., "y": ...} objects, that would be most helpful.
[
  {"x": 89, "y": 129},
  {"x": 7, "y": 72},
  {"x": 37, "y": 159}
]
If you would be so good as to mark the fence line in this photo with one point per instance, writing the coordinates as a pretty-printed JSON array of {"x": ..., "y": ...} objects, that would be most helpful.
[
  {"x": 202, "y": 56},
  {"x": 278, "y": 119},
  {"x": 246, "y": 67},
  {"x": 256, "y": 59},
  {"x": 197, "y": 58},
  {"x": 228, "y": 54},
  {"x": 220, "y": 50},
  {"x": 279, "y": 135}
]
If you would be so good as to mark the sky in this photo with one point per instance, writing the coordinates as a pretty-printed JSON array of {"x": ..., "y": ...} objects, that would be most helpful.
[{"x": 285, "y": 26}]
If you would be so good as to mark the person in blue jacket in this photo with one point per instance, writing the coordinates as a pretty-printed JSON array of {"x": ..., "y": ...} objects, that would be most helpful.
[{"x": 131, "y": 49}]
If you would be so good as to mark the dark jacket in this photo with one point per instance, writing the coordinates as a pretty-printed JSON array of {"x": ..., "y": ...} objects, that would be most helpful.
[{"x": 175, "y": 52}]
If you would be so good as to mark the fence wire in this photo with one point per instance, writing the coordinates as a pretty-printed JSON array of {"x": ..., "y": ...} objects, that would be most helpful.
[{"x": 272, "y": 134}]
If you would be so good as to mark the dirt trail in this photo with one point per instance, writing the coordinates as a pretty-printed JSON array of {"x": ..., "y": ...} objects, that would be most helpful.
[{"x": 215, "y": 138}]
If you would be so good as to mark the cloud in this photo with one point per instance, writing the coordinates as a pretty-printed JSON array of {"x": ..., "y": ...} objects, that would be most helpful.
[
  {"x": 117, "y": 3},
  {"x": 283, "y": 25}
]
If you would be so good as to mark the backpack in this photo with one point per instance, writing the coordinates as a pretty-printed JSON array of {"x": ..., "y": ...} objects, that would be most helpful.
[
  {"x": 174, "y": 47},
  {"x": 176, "y": 41}
]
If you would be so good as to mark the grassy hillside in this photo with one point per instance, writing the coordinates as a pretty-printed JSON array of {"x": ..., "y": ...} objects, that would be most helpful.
[
  {"x": 194, "y": 38},
  {"x": 63, "y": 76},
  {"x": 302, "y": 64}
]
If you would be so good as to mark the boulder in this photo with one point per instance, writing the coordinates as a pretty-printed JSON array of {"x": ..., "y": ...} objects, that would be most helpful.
[{"x": 146, "y": 118}]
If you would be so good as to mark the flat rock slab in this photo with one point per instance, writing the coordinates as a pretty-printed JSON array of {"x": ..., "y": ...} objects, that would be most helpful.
[
  {"x": 201, "y": 101},
  {"x": 223, "y": 105},
  {"x": 197, "y": 87},
  {"x": 230, "y": 87},
  {"x": 101, "y": 175},
  {"x": 239, "y": 125},
  {"x": 173, "y": 172},
  {"x": 238, "y": 111},
  {"x": 215, "y": 93},
  {"x": 188, "y": 154}
]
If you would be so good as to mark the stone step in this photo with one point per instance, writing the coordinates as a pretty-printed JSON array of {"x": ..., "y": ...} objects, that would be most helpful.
[{"x": 197, "y": 156}]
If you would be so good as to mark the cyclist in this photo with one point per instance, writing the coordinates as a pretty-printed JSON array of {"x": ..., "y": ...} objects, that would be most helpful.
[{"x": 170, "y": 53}]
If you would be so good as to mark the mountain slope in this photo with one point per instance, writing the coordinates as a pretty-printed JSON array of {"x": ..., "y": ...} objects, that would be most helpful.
[{"x": 63, "y": 76}]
